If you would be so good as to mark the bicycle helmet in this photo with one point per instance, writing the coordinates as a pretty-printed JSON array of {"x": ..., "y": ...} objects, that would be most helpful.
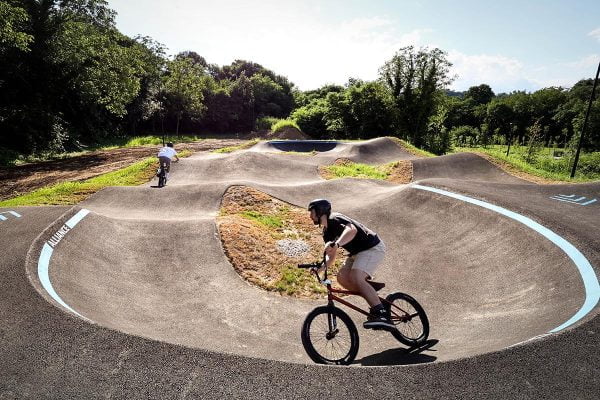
[
  {"x": 170, "y": 144},
  {"x": 321, "y": 207}
]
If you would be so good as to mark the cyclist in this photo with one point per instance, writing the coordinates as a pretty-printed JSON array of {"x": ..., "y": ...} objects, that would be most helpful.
[
  {"x": 165, "y": 155},
  {"x": 366, "y": 250}
]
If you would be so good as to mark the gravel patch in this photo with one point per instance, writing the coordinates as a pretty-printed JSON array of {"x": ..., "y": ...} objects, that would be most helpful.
[{"x": 293, "y": 248}]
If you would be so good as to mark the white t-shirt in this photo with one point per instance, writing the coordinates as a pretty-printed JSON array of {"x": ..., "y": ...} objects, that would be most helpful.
[{"x": 167, "y": 152}]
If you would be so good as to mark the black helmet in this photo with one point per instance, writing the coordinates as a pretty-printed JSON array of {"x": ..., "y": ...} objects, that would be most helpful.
[
  {"x": 170, "y": 144},
  {"x": 321, "y": 207}
]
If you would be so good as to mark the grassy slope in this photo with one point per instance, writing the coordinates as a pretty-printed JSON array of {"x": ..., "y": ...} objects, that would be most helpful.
[
  {"x": 515, "y": 163},
  {"x": 73, "y": 192}
]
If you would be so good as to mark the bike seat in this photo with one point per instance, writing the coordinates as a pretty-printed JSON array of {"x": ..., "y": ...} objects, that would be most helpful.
[{"x": 376, "y": 285}]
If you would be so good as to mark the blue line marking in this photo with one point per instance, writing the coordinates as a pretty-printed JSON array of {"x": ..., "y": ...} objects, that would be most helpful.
[
  {"x": 44, "y": 265},
  {"x": 76, "y": 218},
  {"x": 13, "y": 213},
  {"x": 590, "y": 281},
  {"x": 589, "y": 202}
]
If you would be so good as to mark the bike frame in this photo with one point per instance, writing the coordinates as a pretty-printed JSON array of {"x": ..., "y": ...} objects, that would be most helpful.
[{"x": 332, "y": 298}]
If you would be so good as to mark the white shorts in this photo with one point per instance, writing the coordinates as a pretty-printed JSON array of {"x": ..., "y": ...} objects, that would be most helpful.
[{"x": 367, "y": 260}]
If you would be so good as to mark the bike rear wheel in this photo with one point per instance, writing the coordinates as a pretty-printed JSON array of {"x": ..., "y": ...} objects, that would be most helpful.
[
  {"x": 162, "y": 177},
  {"x": 329, "y": 336},
  {"x": 412, "y": 324}
]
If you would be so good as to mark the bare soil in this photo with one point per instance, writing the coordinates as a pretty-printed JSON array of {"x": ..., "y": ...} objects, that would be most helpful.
[
  {"x": 29, "y": 177},
  {"x": 252, "y": 247}
]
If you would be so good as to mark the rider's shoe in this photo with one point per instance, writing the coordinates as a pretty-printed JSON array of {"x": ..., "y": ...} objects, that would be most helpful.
[{"x": 379, "y": 319}]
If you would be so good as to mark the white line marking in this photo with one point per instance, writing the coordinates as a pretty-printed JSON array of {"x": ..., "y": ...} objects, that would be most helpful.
[
  {"x": 590, "y": 281},
  {"x": 44, "y": 265}
]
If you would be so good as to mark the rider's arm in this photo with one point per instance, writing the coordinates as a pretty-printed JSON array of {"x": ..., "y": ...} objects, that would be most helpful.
[
  {"x": 331, "y": 248},
  {"x": 346, "y": 236}
]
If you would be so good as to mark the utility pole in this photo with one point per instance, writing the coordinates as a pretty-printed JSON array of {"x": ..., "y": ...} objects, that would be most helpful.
[{"x": 585, "y": 121}]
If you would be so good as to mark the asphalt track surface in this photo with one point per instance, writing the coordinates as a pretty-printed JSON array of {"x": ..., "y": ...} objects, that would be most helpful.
[{"x": 162, "y": 314}]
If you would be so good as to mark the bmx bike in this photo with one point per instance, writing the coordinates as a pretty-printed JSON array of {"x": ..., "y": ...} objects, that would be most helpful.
[
  {"x": 329, "y": 335},
  {"x": 162, "y": 174}
]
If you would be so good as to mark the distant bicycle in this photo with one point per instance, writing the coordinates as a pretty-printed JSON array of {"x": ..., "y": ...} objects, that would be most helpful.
[
  {"x": 161, "y": 173},
  {"x": 329, "y": 335}
]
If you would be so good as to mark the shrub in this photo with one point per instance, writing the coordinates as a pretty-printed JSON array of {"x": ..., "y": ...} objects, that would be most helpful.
[
  {"x": 311, "y": 118},
  {"x": 265, "y": 123},
  {"x": 282, "y": 124},
  {"x": 465, "y": 135}
]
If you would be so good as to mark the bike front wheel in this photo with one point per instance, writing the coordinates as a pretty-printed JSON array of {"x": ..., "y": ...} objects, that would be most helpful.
[
  {"x": 329, "y": 336},
  {"x": 412, "y": 325}
]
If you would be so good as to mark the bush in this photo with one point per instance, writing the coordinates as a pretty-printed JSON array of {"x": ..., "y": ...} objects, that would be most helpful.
[
  {"x": 311, "y": 118},
  {"x": 281, "y": 124},
  {"x": 265, "y": 123},
  {"x": 465, "y": 135}
]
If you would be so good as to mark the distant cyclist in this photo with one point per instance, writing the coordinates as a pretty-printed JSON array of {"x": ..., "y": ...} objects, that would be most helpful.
[
  {"x": 366, "y": 250},
  {"x": 165, "y": 155}
]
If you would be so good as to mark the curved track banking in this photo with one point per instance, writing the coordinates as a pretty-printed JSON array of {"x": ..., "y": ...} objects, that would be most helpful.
[{"x": 171, "y": 318}]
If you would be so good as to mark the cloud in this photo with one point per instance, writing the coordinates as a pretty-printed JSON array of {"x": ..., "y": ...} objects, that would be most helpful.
[
  {"x": 505, "y": 74},
  {"x": 595, "y": 34},
  {"x": 502, "y": 73}
]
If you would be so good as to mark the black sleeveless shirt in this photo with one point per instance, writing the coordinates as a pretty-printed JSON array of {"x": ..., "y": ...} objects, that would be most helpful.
[{"x": 364, "y": 239}]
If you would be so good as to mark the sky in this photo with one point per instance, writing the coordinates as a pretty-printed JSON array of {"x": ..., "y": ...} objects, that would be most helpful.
[{"x": 507, "y": 44}]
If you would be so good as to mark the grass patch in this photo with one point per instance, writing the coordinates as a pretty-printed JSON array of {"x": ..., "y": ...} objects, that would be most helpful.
[
  {"x": 282, "y": 124},
  {"x": 231, "y": 149},
  {"x": 397, "y": 172},
  {"x": 68, "y": 193},
  {"x": 270, "y": 221},
  {"x": 74, "y": 192},
  {"x": 412, "y": 149},
  {"x": 544, "y": 168}
]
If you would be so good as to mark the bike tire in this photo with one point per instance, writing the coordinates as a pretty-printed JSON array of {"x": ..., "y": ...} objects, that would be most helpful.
[
  {"x": 162, "y": 177},
  {"x": 341, "y": 348},
  {"x": 415, "y": 330}
]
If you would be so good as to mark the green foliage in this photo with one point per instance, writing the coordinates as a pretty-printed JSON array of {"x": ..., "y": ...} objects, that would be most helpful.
[
  {"x": 545, "y": 165},
  {"x": 481, "y": 94},
  {"x": 266, "y": 123},
  {"x": 12, "y": 22},
  {"x": 412, "y": 149},
  {"x": 293, "y": 280},
  {"x": 535, "y": 142},
  {"x": 414, "y": 79},
  {"x": 465, "y": 136},
  {"x": 362, "y": 110},
  {"x": 281, "y": 124},
  {"x": 311, "y": 118},
  {"x": 438, "y": 138},
  {"x": 183, "y": 87}
]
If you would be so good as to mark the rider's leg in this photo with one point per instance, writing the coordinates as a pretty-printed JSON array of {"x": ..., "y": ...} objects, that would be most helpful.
[
  {"x": 359, "y": 280},
  {"x": 356, "y": 280}
]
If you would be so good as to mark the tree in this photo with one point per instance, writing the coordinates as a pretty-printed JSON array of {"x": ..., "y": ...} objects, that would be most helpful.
[
  {"x": 481, "y": 94},
  {"x": 413, "y": 78},
  {"x": 12, "y": 23},
  {"x": 499, "y": 118},
  {"x": 182, "y": 88}
]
